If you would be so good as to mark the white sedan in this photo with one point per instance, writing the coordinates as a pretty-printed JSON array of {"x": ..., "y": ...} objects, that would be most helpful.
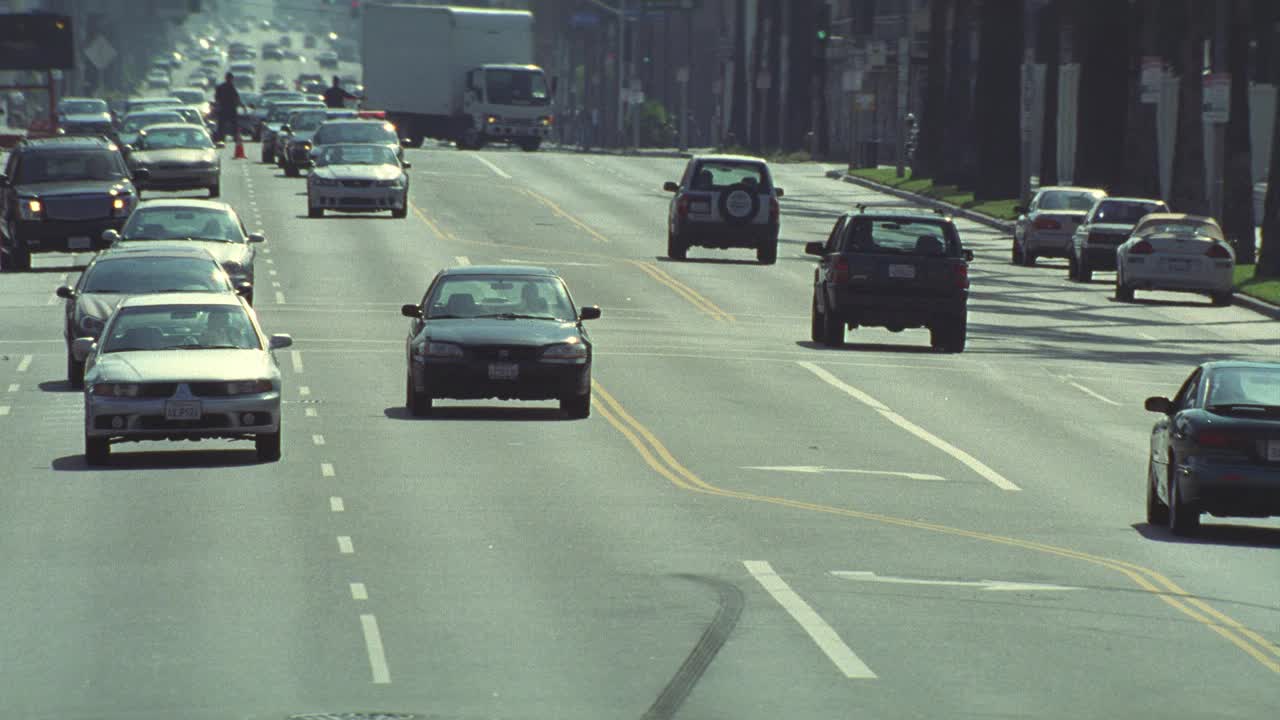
[
  {"x": 1179, "y": 261},
  {"x": 357, "y": 178}
]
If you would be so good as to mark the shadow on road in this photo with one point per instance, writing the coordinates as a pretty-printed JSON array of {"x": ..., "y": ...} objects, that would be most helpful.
[
  {"x": 472, "y": 413},
  {"x": 707, "y": 260},
  {"x": 163, "y": 460},
  {"x": 57, "y": 386},
  {"x": 873, "y": 347},
  {"x": 1211, "y": 534}
]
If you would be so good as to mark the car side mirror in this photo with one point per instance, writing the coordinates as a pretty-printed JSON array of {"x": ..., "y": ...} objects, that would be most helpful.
[
  {"x": 285, "y": 129},
  {"x": 411, "y": 311},
  {"x": 406, "y": 165},
  {"x": 590, "y": 312},
  {"x": 778, "y": 192},
  {"x": 65, "y": 293},
  {"x": 279, "y": 342},
  {"x": 142, "y": 174},
  {"x": 110, "y": 237},
  {"x": 968, "y": 255},
  {"x": 670, "y": 186},
  {"x": 130, "y": 148},
  {"x": 257, "y": 237},
  {"x": 1159, "y": 404},
  {"x": 815, "y": 248},
  {"x": 82, "y": 348},
  {"x": 220, "y": 145}
]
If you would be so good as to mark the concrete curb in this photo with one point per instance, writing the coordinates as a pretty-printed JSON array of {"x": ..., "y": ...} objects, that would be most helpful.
[
  {"x": 954, "y": 210},
  {"x": 1247, "y": 302},
  {"x": 643, "y": 152}
]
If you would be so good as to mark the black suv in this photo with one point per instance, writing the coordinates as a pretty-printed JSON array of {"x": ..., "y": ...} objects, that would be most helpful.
[
  {"x": 893, "y": 268},
  {"x": 59, "y": 195}
]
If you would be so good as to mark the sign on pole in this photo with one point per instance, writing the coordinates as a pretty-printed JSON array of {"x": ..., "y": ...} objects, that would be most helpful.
[
  {"x": 1216, "y": 105},
  {"x": 1149, "y": 81},
  {"x": 100, "y": 52}
]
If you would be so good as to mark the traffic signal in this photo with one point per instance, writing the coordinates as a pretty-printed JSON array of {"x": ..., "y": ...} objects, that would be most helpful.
[
  {"x": 355, "y": 8},
  {"x": 824, "y": 23}
]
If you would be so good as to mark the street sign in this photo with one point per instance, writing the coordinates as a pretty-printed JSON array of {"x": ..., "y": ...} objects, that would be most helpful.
[
  {"x": 1216, "y": 105},
  {"x": 1149, "y": 80},
  {"x": 35, "y": 41},
  {"x": 100, "y": 52},
  {"x": 682, "y": 74}
]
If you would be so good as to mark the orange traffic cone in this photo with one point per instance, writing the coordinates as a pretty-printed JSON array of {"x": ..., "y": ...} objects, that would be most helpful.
[{"x": 239, "y": 147}]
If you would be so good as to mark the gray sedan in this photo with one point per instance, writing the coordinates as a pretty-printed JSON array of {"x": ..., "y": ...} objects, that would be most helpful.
[
  {"x": 178, "y": 156},
  {"x": 181, "y": 367},
  {"x": 1044, "y": 228}
]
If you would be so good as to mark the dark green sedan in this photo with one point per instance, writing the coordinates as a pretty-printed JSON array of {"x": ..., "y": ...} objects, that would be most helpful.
[
  {"x": 505, "y": 332},
  {"x": 1217, "y": 448}
]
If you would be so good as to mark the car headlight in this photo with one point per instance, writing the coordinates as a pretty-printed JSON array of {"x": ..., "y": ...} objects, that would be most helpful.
[
  {"x": 545, "y": 120},
  {"x": 91, "y": 325},
  {"x": 440, "y": 351},
  {"x": 108, "y": 389},
  {"x": 249, "y": 387},
  {"x": 30, "y": 208},
  {"x": 491, "y": 119},
  {"x": 398, "y": 182},
  {"x": 323, "y": 182},
  {"x": 573, "y": 352}
]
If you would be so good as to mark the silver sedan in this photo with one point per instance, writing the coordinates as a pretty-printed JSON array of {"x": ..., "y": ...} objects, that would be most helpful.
[
  {"x": 357, "y": 178},
  {"x": 1044, "y": 228},
  {"x": 181, "y": 367}
]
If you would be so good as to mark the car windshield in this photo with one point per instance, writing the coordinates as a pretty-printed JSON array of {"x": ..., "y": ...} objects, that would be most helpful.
[
  {"x": 1067, "y": 200},
  {"x": 136, "y": 122},
  {"x": 516, "y": 87},
  {"x": 306, "y": 120},
  {"x": 186, "y": 327},
  {"x": 82, "y": 107},
  {"x": 717, "y": 175},
  {"x": 497, "y": 296},
  {"x": 281, "y": 113},
  {"x": 903, "y": 237},
  {"x": 164, "y": 138},
  {"x": 189, "y": 96},
  {"x": 63, "y": 165},
  {"x": 357, "y": 155},
  {"x": 1125, "y": 212},
  {"x": 351, "y": 132},
  {"x": 1244, "y": 386},
  {"x": 168, "y": 223},
  {"x": 138, "y": 275}
]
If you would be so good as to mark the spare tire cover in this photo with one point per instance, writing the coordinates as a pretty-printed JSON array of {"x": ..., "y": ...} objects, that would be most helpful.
[{"x": 739, "y": 204}]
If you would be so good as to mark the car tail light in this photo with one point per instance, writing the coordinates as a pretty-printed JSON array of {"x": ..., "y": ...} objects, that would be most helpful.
[
  {"x": 840, "y": 270},
  {"x": 961, "y": 275},
  {"x": 773, "y": 209},
  {"x": 1218, "y": 251},
  {"x": 682, "y": 207},
  {"x": 1046, "y": 224},
  {"x": 1142, "y": 247},
  {"x": 1220, "y": 440}
]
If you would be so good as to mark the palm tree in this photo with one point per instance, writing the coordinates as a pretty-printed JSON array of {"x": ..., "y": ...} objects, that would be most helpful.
[
  {"x": 1141, "y": 169},
  {"x": 1187, "y": 193},
  {"x": 934, "y": 117},
  {"x": 996, "y": 100},
  {"x": 957, "y": 165},
  {"x": 1049, "y": 48},
  {"x": 1102, "y": 45},
  {"x": 1237, "y": 180}
]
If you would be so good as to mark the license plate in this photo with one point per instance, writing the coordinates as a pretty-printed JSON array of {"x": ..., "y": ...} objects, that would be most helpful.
[
  {"x": 1273, "y": 450},
  {"x": 182, "y": 410},
  {"x": 1177, "y": 265},
  {"x": 503, "y": 371},
  {"x": 700, "y": 207},
  {"x": 79, "y": 242},
  {"x": 907, "y": 272}
]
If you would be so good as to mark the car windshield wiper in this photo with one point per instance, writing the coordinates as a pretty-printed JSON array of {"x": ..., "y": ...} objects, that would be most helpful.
[
  {"x": 127, "y": 349},
  {"x": 518, "y": 316},
  {"x": 110, "y": 291},
  {"x": 1251, "y": 407},
  {"x": 202, "y": 346},
  {"x": 449, "y": 317}
]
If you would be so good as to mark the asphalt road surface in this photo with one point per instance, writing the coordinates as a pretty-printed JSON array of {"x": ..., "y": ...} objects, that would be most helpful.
[{"x": 747, "y": 526}]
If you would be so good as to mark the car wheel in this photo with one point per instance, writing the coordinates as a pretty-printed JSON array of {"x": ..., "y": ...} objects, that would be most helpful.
[
  {"x": 266, "y": 154},
  {"x": 268, "y": 446},
  {"x": 1084, "y": 273},
  {"x": 1124, "y": 293},
  {"x": 957, "y": 335},
  {"x": 1073, "y": 270},
  {"x": 215, "y": 190},
  {"x": 531, "y": 145},
  {"x": 17, "y": 259},
  {"x": 832, "y": 329},
  {"x": 767, "y": 254},
  {"x": 291, "y": 171},
  {"x": 1157, "y": 512},
  {"x": 576, "y": 407},
  {"x": 1016, "y": 254},
  {"x": 402, "y": 212},
  {"x": 419, "y": 404},
  {"x": 817, "y": 323},
  {"x": 1222, "y": 299},
  {"x": 248, "y": 296},
  {"x": 1184, "y": 518},
  {"x": 315, "y": 212},
  {"x": 676, "y": 248},
  {"x": 75, "y": 372},
  {"x": 97, "y": 451}
]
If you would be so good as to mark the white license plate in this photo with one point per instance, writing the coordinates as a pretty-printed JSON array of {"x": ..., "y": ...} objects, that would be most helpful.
[
  {"x": 902, "y": 271},
  {"x": 503, "y": 371},
  {"x": 1273, "y": 450},
  {"x": 1176, "y": 265},
  {"x": 79, "y": 242},
  {"x": 182, "y": 410}
]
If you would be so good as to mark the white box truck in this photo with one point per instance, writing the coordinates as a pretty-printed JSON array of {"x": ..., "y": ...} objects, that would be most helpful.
[{"x": 456, "y": 73}]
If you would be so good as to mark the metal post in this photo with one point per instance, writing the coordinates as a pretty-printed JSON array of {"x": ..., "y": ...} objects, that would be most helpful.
[
  {"x": 683, "y": 79},
  {"x": 622, "y": 68}
]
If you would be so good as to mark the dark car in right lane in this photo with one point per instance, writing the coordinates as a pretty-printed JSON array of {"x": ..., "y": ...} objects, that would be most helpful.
[
  {"x": 507, "y": 332},
  {"x": 893, "y": 268},
  {"x": 1217, "y": 448}
]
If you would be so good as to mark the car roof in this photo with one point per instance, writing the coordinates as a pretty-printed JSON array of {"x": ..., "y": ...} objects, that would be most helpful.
[
  {"x": 156, "y": 111},
  {"x": 1220, "y": 364},
  {"x": 1113, "y": 198},
  {"x": 79, "y": 98},
  {"x": 905, "y": 213},
  {"x": 1073, "y": 188},
  {"x": 512, "y": 270},
  {"x": 184, "y": 202},
  {"x": 731, "y": 158},
  {"x": 67, "y": 142},
  {"x": 172, "y": 126},
  {"x": 162, "y": 299},
  {"x": 356, "y": 121},
  {"x": 158, "y": 248},
  {"x": 1172, "y": 217}
]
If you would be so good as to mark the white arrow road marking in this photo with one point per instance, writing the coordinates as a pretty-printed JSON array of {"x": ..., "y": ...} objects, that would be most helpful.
[
  {"x": 817, "y": 469},
  {"x": 997, "y": 585}
]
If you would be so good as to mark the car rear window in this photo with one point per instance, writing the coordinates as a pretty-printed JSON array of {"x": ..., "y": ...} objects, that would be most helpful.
[
  {"x": 1245, "y": 386},
  {"x": 900, "y": 236},
  {"x": 718, "y": 175},
  {"x": 136, "y": 276},
  {"x": 1125, "y": 211},
  {"x": 1067, "y": 200}
]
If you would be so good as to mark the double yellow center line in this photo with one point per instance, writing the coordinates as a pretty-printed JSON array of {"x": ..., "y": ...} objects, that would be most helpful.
[
  {"x": 694, "y": 297},
  {"x": 657, "y": 457}
]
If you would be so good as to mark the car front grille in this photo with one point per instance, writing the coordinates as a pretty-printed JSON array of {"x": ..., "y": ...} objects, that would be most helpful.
[
  {"x": 498, "y": 353},
  {"x": 157, "y": 390},
  {"x": 77, "y": 207},
  {"x": 158, "y": 422},
  {"x": 357, "y": 183}
]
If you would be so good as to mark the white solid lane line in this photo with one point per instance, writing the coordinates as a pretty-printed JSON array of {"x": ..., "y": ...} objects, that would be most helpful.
[
  {"x": 345, "y": 546},
  {"x": 326, "y": 469},
  {"x": 985, "y": 585},
  {"x": 497, "y": 170},
  {"x": 359, "y": 592},
  {"x": 296, "y": 357},
  {"x": 24, "y": 363},
  {"x": 1089, "y": 392},
  {"x": 813, "y": 624},
  {"x": 965, "y": 458},
  {"x": 336, "y": 504},
  {"x": 819, "y": 470},
  {"x": 279, "y": 298},
  {"x": 377, "y": 656}
]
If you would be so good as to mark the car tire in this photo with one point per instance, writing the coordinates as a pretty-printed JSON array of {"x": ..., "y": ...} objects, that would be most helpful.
[
  {"x": 266, "y": 154},
  {"x": 248, "y": 297},
  {"x": 832, "y": 330},
  {"x": 75, "y": 372},
  {"x": 1184, "y": 518},
  {"x": 1124, "y": 293},
  {"x": 215, "y": 190},
  {"x": 315, "y": 212},
  {"x": 268, "y": 446},
  {"x": 17, "y": 259},
  {"x": 1015, "y": 255},
  {"x": 817, "y": 323},
  {"x": 1222, "y": 299},
  {"x": 577, "y": 407},
  {"x": 401, "y": 213},
  {"x": 97, "y": 451},
  {"x": 418, "y": 404},
  {"x": 1084, "y": 273},
  {"x": 767, "y": 254},
  {"x": 530, "y": 145},
  {"x": 957, "y": 335},
  {"x": 291, "y": 171},
  {"x": 676, "y": 248},
  {"x": 1157, "y": 511}
]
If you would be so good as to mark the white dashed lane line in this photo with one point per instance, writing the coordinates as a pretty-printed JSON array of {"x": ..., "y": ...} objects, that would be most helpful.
[
  {"x": 312, "y": 412},
  {"x": 24, "y": 364},
  {"x": 377, "y": 656},
  {"x": 326, "y": 470},
  {"x": 304, "y": 390},
  {"x": 296, "y": 357},
  {"x": 359, "y": 592},
  {"x": 345, "y": 546},
  {"x": 4, "y": 410},
  {"x": 279, "y": 298},
  {"x": 336, "y": 504},
  {"x": 317, "y": 439},
  {"x": 13, "y": 387}
]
